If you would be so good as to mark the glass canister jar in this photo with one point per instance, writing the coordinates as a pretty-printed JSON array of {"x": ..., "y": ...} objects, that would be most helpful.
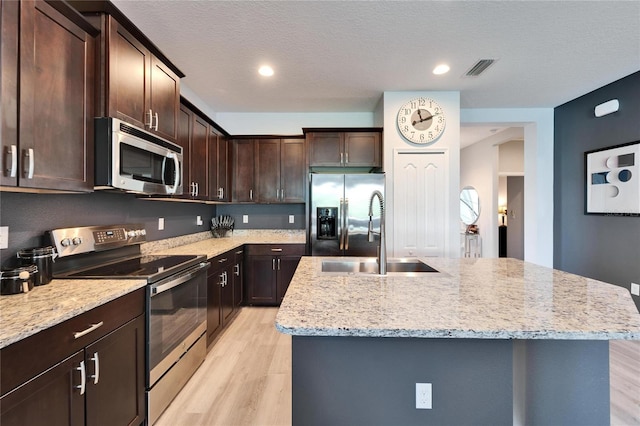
[{"x": 43, "y": 258}]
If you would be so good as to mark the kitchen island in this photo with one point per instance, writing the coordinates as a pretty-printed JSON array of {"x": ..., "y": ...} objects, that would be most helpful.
[{"x": 501, "y": 342}]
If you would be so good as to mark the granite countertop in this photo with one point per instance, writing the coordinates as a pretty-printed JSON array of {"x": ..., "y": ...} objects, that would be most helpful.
[
  {"x": 203, "y": 243},
  {"x": 22, "y": 315},
  {"x": 25, "y": 314},
  {"x": 473, "y": 298}
]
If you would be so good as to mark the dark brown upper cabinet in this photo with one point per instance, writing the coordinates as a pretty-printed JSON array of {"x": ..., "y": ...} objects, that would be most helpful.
[
  {"x": 280, "y": 170},
  {"x": 243, "y": 183},
  {"x": 193, "y": 136},
  {"x": 218, "y": 166},
  {"x": 138, "y": 84},
  {"x": 47, "y": 113},
  {"x": 355, "y": 148}
]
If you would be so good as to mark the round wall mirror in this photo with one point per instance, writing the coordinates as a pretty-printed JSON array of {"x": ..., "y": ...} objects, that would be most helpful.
[{"x": 469, "y": 205}]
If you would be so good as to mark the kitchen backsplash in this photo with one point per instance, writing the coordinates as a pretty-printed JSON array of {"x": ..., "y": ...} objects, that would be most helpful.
[{"x": 29, "y": 216}]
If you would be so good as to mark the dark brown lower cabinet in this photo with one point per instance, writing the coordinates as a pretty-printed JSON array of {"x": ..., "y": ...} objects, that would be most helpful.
[
  {"x": 100, "y": 384},
  {"x": 238, "y": 279},
  {"x": 269, "y": 271},
  {"x": 220, "y": 294},
  {"x": 48, "y": 399}
]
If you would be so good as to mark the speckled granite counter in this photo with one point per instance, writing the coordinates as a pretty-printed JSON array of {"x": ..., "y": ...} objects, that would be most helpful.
[
  {"x": 202, "y": 243},
  {"x": 22, "y": 315},
  {"x": 476, "y": 298}
]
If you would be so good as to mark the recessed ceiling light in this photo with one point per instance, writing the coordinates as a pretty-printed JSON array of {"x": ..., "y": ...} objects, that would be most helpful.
[
  {"x": 441, "y": 69},
  {"x": 266, "y": 71}
]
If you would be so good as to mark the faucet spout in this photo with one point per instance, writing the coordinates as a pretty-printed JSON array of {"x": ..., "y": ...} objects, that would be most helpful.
[{"x": 382, "y": 248}]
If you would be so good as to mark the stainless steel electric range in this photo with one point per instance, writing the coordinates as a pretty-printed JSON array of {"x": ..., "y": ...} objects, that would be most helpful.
[{"x": 175, "y": 306}]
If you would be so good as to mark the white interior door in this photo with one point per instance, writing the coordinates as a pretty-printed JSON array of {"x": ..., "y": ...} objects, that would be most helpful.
[{"x": 420, "y": 189}]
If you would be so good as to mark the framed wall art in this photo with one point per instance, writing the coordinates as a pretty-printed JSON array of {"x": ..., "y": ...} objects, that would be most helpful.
[{"x": 613, "y": 180}]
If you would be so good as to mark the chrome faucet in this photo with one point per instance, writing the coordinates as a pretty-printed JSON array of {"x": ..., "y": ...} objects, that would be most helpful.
[{"x": 382, "y": 248}]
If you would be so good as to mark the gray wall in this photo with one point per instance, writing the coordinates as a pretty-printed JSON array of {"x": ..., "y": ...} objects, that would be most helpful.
[
  {"x": 265, "y": 216},
  {"x": 29, "y": 216},
  {"x": 602, "y": 247}
]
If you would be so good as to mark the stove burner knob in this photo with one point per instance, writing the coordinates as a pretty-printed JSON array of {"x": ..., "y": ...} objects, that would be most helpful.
[
  {"x": 65, "y": 242},
  {"x": 143, "y": 232},
  {"x": 131, "y": 234},
  {"x": 76, "y": 241}
]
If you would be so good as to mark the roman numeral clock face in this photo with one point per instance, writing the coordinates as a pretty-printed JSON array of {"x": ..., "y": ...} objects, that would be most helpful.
[{"x": 421, "y": 120}]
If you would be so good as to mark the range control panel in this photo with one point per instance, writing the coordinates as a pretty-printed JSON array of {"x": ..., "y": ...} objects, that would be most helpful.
[{"x": 86, "y": 239}]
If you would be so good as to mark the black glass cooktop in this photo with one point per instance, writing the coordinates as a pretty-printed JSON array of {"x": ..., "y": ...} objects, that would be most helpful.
[{"x": 139, "y": 267}]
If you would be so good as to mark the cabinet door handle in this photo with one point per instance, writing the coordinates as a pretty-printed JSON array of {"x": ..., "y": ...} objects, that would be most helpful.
[
  {"x": 222, "y": 280},
  {"x": 341, "y": 158},
  {"x": 156, "y": 126},
  {"x": 83, "y": 378},
  {"x": 273, "y": 263},
  {"x": 150, "y": 123},
  {"x": 96, "y": 368},
  {"x": 278, "y": 264},
  {"x": 282, "y": 195},
  {"x": 79, "y": 334},
  {"x": 236, "y": 269},
  {"x": 13, "y": 170},
  {"x": 251, "y": 195},
  {"x": 346, "y": 156},
  {"x": 31, "y": 156}
]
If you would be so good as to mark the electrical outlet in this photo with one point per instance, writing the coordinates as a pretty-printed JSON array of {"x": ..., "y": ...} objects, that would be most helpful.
[
  {"x": 292, "y": 218},
  {"x": 423, "y": 396},
  {"x": 4, "y": 237},
  {"x": 635, "y": 289},
  {"x": 245, "y": 218},
  {"x": 160, "y": 223},
  {"x": 199, "y": 220}
]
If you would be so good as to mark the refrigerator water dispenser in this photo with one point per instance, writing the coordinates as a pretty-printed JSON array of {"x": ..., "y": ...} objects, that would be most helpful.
[{"x": 327, "y": 223}]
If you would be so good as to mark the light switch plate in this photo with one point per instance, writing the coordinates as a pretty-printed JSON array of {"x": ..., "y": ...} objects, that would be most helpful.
[
  {"x": 4, "y": 237},
  {"x": 199, "y": 220},
  {"x": 635, "y": 289},
  {"x": 292, "y": 218},
  {"x": 245, "y": 218},
  {"x": 160, "y": 223}
]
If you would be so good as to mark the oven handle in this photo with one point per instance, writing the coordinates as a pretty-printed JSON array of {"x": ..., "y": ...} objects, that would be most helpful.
[{"x": 172, "y": 282}]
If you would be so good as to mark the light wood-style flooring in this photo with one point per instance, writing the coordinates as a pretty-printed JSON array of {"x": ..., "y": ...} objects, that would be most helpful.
[{"x": 246, "y": 379}]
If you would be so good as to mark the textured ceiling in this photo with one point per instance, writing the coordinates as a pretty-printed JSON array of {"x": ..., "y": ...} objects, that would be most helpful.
[{"x": 340, "y": 56}]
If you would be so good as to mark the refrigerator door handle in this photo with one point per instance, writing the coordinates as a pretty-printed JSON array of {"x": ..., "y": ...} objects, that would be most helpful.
[
  {"x": 341, "y": 223},
  {"x": 346, "y": 224}
]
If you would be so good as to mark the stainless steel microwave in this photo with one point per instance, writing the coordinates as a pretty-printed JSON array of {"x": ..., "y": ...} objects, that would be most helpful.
[{"x": 131, "y": 159}]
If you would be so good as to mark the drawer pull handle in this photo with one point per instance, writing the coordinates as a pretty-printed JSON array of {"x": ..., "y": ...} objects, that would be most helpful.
[
  {"x": 79, "y": 334},
  {"x": 276, "y": 250},
  {"x": 96, "y": 365},
  {"x": 240, "y": 252},
  {"x": 222, "y": 260},
  {"x": 83, "y": 378}
]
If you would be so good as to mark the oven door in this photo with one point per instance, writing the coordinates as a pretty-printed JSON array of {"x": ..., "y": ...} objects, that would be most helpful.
[{"x": 176, "y": 318}]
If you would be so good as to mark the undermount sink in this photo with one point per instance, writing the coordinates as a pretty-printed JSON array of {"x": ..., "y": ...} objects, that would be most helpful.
[{"x": 370, "y": 266}]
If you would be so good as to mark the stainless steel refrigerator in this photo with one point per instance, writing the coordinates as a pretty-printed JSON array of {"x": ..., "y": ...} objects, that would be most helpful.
[{"x": 339, "y": 213}]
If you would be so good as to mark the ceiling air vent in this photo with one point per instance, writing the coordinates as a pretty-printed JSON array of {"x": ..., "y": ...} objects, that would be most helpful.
[{"x": 479, "y": 67}]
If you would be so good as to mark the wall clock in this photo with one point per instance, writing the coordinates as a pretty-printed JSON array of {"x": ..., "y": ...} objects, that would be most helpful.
[{"x": 421, "y": 120}]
